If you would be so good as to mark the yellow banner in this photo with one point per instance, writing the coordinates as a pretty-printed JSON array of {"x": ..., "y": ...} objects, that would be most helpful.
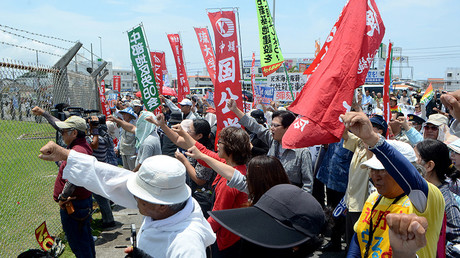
[{"x": 270, "y": 53}]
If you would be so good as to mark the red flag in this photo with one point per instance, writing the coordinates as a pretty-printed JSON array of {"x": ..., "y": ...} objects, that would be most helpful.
[
  {"x": 117, "y": 83},
  {"x": 208, "y": 52},
  {"x": 328, "y": 92},
  {"x": 105, "y": 108},
  {"x": 157, "y": 58},
  {"x": 228, "y": 84},
  {"x": 182, "y": 81},
  {"x": 386, "y": 88}
]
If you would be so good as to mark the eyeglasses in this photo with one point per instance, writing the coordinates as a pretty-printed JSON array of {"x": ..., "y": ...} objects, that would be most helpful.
[
  {"x": 432, "y": 128},
  {"x": 275, "y": 125}
]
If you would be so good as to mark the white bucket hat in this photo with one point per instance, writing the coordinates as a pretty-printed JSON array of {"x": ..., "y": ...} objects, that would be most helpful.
[
  {"x": 160, "y": 180},
  {"x": 404, "y": 148}
]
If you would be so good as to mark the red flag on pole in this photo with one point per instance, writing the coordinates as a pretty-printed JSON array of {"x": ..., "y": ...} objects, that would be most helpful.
[
  {"x": 208, "y": 52},
  {"x": 182, "y": 81},
  {"x": 117, "y": 83},
  {"x": 386, "y": 88},
  {"x": 105, "y": 108},
  {"x": 328, "y": 93},
  {"x": 228, "y": 85},
  {"x": 157, "y": 58}
]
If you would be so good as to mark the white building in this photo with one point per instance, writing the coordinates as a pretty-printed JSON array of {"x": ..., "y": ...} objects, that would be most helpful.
[{"x": 452, "y": 79}]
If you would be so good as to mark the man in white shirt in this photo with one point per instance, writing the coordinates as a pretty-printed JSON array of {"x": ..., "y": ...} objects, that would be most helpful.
[{"x": 173, "y": 225}]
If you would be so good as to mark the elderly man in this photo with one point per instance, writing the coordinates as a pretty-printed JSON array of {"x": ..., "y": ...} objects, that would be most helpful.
[
  {"x": 75, "y": 202},
  {"x": 173, "y": 225},
  {"x": 400, "y": 189}
]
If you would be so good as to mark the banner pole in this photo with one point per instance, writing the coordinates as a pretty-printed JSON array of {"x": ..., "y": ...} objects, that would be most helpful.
[{"x": 240, "y": 47}]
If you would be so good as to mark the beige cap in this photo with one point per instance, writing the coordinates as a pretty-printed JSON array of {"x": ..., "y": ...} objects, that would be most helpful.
[{"x": 75, "y": 122}]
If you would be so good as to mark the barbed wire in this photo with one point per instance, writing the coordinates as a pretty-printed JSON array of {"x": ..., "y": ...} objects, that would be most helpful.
[
  {"x": 37, "y": 34},
  {"x": 38, "y": 41},
  {"x": 28, "y": 48},
  {"x": 90, "y": 53}
]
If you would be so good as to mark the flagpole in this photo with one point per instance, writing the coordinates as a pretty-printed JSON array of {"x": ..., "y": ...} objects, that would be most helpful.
[{"x": 240, "y": 47}]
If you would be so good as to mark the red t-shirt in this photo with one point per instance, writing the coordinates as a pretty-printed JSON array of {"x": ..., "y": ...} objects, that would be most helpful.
[
  {"x": 81, "y": 193},
  {"x": 226, "y": 198}
]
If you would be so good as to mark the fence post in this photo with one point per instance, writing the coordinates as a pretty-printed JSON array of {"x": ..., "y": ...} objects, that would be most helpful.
[
  {"x": 97, "y": 82},
  {"x": 60, "y": 80}
]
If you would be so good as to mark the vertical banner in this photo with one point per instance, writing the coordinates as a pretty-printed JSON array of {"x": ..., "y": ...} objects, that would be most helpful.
[
  {"x": 104, "y": 106},
  {"x": 117, "y": 83},
  {"x": 253, "y": 78},
  {"x": 386, "y": 88},
  {"x": 329, "y": 91},
  {"x": 270, "y": 53},
  {"x": 140, "y": 58},
  {"x": 182, "y": 81},
  {"x": 158, "y": 59},
  {"x": 228, "y": 85},
  {"x": 208, "y": 52}
]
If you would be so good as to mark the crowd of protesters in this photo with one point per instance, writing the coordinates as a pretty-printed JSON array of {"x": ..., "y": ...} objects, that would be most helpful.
[{"x": 386, "y": 189}]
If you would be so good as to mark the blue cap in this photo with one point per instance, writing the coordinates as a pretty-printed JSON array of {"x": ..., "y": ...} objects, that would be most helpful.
[
  {"x": 379, "y": 122},
  {"x": 129, "y": 110}
]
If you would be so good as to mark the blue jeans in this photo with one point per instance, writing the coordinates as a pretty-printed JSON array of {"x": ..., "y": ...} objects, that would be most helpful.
[
  {"x": 77, "y": 228},
  {"x": 104, "y": 206}
]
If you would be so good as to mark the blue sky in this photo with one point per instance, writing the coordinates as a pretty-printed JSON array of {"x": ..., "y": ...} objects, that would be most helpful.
[{"x": 426, "y": 30}]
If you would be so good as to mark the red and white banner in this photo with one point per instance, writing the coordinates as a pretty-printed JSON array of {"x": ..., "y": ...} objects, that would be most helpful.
[
  {"x": 182, "y": 81},
  {"x": 159, "y": 67},
  {"x": 208, "y": 52},
  {"x": 386, "y": 89},
  {"x": 253, "y": 77},
  {"x": 228, "y": 85},
  {"x": 328, "y": 92},
  {"x": 117, "y": 83},
  {"x": 105, "y": 108}
]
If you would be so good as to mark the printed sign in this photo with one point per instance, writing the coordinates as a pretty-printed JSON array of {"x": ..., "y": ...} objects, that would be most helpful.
[
  {"x": 140, "y": 58},
  {"x": 281, "y": 88}
]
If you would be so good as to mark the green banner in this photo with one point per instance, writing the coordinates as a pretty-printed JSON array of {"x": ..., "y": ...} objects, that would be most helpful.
[
  {"x": 140, "y": 57},
  {"x": 270, "y": 53}
]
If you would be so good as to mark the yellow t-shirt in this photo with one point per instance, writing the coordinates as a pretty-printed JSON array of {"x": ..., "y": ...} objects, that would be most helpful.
[{"x": 380, "y": 246}]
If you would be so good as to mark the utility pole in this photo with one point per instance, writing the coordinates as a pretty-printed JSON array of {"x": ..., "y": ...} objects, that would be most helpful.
[{"x": 100, "y": 45}]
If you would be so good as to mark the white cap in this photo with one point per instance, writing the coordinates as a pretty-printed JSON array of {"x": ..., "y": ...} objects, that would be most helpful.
[{"x": 404, "y": 148}]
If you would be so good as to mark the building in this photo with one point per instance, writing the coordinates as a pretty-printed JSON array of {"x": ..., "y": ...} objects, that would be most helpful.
[{"x": 452, "y": 79}]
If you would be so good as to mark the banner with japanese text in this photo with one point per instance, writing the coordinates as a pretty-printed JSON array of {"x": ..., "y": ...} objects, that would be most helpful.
[
  {"x": 281, "y": 88},
  {"x": 270, "y": 52},
  {"x": 208, "y": 52},
  {"x": 329, "y": 91},
  {"x": 140, "y": 58},
  {"x": 182, "y": 81},
  {"x": 159, "y": 65},
  {"x": 116, "y": 83},
  {"x": 104, "y": 105},
  {"x": 228, "y": 85},
  {"x": 253, "y": 76}
]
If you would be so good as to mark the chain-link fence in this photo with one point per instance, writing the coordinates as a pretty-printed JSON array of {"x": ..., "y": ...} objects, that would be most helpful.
[{"x": 26, "y": 182}]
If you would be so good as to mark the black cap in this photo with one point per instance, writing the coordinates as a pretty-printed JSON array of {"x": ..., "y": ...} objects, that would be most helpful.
[
  {"x": 416, "y": 119},
  {"x": 380, "y": 123},
  {"x": 175, "y": 117},
  {"x": 259, "y": 116},
  {"x": 285, "y": 216}
]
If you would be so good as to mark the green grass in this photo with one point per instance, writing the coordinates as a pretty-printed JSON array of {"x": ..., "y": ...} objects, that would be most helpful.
[{"x": 26, "y": 187}]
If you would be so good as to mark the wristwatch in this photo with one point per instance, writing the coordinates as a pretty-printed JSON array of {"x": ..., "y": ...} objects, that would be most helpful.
[{"x": 379, "y": 143}]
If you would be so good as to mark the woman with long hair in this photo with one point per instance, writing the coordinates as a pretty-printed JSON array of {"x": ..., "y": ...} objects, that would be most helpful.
[{"x": 434, "y": 156}]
